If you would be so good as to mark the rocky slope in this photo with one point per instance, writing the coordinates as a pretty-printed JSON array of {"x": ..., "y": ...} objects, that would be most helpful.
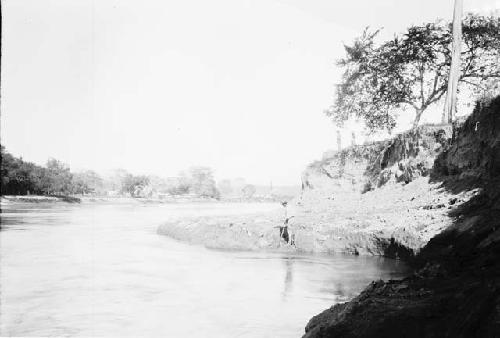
[
  {"x": 361, "y": 168},
  {"x": 455, "y": 291},
  {"x": 377, "y": 198}
]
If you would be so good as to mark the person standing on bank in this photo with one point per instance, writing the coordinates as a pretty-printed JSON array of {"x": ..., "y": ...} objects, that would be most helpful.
[{"x": 284, "y": 234}]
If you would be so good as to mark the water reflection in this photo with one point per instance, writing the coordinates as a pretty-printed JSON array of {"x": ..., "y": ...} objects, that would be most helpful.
[{"x": 288, "y": 276}]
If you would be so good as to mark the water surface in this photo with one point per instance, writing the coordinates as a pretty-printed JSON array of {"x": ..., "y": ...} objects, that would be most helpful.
[{"x": 102, "y": 270}]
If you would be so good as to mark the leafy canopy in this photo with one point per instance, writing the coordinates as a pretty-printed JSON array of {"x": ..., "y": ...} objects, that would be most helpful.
[{"x": 411, "y": 70}]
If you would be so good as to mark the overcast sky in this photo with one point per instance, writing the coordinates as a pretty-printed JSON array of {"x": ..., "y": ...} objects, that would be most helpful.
[{"x": 158, "y": 86}]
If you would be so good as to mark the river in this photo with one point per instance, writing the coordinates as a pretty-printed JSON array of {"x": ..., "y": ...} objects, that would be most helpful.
[{"x": 95, "y": 269}]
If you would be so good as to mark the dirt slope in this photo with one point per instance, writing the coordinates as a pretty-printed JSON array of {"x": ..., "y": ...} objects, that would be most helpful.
[{"x": 455, "y": 291}]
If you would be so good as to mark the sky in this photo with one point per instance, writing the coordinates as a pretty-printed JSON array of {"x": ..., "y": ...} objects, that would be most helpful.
[{"x": 155, "y": 87}]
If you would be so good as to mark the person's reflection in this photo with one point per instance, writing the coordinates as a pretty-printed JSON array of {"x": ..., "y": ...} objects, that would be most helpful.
[{"x": 288, "y": 277}]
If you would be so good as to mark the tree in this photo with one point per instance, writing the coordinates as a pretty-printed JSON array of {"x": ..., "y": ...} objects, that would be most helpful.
[
  {"x": 248, "y": 191},
  {"x": 20, "y": 177},
  {"x": 115, "y": 180},
  {"x": 203, "y": 182},
  {"x": 87, "y": 182},
  {"x": 157, "y": 183},
  {"x": 58, "y": 177},
  {"x": 134, "y": 185},
  {"x": 178, "y": 185},
  {"x": 411, "y": 70}
]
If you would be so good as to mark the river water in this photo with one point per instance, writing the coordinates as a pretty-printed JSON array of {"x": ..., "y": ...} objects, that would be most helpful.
[{"x": 102, "y": 270}]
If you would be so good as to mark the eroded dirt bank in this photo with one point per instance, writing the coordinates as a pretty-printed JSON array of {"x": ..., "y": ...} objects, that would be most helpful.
[
  {"x": 375, "y": 199},
  {"x": 455, "y": 291}
]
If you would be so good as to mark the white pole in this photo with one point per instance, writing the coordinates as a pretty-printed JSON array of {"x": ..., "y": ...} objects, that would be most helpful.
[{"x": 451, "y": 95}]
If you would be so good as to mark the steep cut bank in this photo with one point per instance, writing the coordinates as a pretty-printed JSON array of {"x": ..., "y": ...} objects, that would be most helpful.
[
  {"x": 455, "y": 291},
  {"x": 377, "y": 199}
]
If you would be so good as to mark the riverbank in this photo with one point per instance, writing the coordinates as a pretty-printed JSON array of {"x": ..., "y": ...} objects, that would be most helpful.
[
  {"x": 235, "y": 232},
  {"x": 376, "y": 199},
  {"x": 102, "y": 199},
  {"x": 430, "y": 198},
  {"x": 125, "y": 199},
  {"x": 38, "y": 199},
  {"x": 393, "y": 221},
  {"x": 455, "y": 291}
]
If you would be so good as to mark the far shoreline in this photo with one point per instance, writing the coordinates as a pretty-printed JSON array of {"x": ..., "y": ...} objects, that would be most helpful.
[{"x": 124, "y": 199}]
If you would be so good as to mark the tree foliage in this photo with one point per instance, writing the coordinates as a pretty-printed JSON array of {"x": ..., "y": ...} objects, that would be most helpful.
[
  {"x": 178, "y": 186},
  {"x": 203, "y": 182},
  {"x": 23, "y": 178},
  {"x": 248, "y": 191},
  {"x": 135, "y": 185},
  {"x": 411, "y": 70},
  {"x": 87, "y": 182},
  {"x": 59, "y": 178}
]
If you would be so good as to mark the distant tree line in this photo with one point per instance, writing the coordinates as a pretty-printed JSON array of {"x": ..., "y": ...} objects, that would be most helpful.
[{"x": 20, "y": 177}]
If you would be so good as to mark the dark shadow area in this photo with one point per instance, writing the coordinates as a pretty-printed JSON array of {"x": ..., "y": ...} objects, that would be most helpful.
[
  {"x": 396, "y": 250},
  {"x": 455, "y": 291}
]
